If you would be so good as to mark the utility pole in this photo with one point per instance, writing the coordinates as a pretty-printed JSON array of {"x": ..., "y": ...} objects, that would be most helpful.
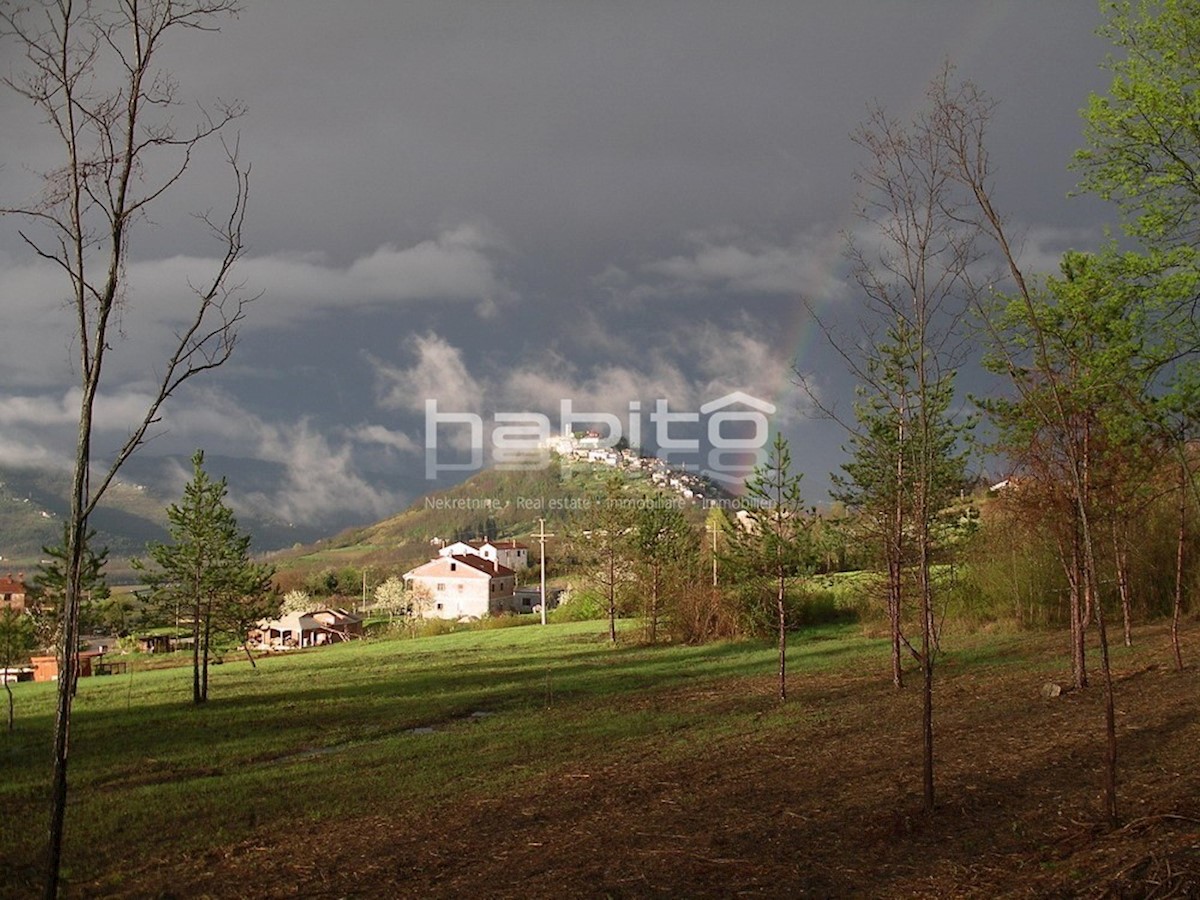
[
  {"x": 541, "y": 535},
  {"x": 711, "y": 528}
]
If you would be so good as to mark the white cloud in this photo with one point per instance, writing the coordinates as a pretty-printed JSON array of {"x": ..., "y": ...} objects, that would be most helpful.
[
  {"x": 458, "y": 264},
  {"x": 385, "y": 437},
  {"x": 321, "y": 479},
  {"x": 22, "y": 449},
  {"x": 438, "y": 373},
  {"x": 117, "y": 411},
  {"x": 693, "y": 365}
]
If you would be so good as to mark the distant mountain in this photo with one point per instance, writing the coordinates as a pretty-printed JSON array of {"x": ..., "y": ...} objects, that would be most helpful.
[{"x": 34, "y": 503}]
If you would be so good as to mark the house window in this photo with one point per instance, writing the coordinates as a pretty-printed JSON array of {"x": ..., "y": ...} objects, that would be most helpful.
[
  {"x": 460, "y": 587},
  {"x": 441, "y": 586},
  {"x": 439, "y": 606}
]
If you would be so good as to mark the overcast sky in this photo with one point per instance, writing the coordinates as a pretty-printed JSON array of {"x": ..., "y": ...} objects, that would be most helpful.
[{"x": 500, "y": 205}]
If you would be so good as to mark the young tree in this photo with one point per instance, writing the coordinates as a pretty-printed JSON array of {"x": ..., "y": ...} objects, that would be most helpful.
[
  {"x": 774, "y": 545},
  {"x": 48, "y": 588},
  {"x": 92, "y": 71},
  {"x": 240, "y": 611},
  {"x": 912, "y": 267},
  {"x": 16, "y": 640},
  {"x": 420, "y": 603},
  {"x": 392, "y": 596},
  {"x": 963, "y": 119},
  {"x": 207, "y": 567},
  {"x": 663, "y": 545},
  {"x": 603, "y": 532},
  {"x": 1143, "y": 153}
]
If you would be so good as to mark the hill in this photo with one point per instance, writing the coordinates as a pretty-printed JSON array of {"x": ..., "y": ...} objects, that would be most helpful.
[
  {"x": 493, "y": 503},
  {"x": 33, "y": 504}
]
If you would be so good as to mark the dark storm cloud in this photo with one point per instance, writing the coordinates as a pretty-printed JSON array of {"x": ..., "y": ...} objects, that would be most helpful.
[{"x": 544, "y": 197}]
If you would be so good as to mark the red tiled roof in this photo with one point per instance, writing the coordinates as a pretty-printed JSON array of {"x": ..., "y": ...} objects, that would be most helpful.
[
  {"x": 10, "y": 585},
  {"x": 484, "y": 565}
]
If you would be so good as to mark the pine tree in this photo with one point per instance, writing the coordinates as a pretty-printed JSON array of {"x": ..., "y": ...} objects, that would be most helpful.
[
  {"x": 663, "y": 545},
  {"x": 48, "y": 589},
  {"x": 206, "y": 567},
  {"x": 775, "y": 543}
]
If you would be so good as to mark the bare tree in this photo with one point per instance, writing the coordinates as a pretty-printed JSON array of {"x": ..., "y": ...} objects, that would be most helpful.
[
  {"x": 92, "y": 71},
  {"x": 911, "y": 264}
]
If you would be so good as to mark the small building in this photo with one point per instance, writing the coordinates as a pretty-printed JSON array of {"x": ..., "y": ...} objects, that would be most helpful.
[
  {"x": 12, "y": 592},
  {"x": 45, "y": 668},
  {"x": 162, "y": 643},
  {"x": 307, "y": 629},
  {"x": 463, "y": 586},
  {"x": 529, "y": 599},
  {"x": 16, "y": 673}
]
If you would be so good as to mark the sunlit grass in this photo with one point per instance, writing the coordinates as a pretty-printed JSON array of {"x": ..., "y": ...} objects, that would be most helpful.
[{"x": 358, "y": 728}]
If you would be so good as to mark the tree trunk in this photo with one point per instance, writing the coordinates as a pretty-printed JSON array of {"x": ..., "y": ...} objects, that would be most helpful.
[
  {"x": 1110, "y": 724},
  {"x": 781, "y": 609},
  {"x": 927, "y": 719},
  {"x": 68, "y": 648},
  {"x": 894, "y": 575},
  {"x": 1181, "y": 537},
  {"x": 249, "y": 655},
  {"x": 204, "y": 653},
  {"x": 8, "y": 689},
  {"x": 1121, "y": 556},
  {"x": 654, "y": 607},
  {"x": 896, "y": 564},
  {"x": 197, "y": 696},
  {"x": 928, "y": 636},
  {"x": 1089, "y": 583},
  {"x": 1078, "y": 575}
]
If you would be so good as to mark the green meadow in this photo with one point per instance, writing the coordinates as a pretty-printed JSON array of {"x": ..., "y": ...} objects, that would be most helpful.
[{"x": 362, "y": 728}]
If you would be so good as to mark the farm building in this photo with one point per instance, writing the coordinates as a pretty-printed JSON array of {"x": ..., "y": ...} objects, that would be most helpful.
[
  {"x": 309, "y": 629},
  {"x": 45, "y": 668}
]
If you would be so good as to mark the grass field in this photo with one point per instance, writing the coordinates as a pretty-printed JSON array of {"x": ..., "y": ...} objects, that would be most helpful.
[{"x": 381, "y": 755}]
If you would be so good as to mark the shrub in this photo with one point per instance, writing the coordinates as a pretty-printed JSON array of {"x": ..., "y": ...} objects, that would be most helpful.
[{"x": 578, "y": 605}]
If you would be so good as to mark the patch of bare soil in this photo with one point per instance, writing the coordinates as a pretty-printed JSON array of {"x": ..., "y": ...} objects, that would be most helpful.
[{"x": 830, "y": 807}]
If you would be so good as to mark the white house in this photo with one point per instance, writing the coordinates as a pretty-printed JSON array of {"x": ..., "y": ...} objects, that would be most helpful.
[
  {"x": 461, "y": 548},
  {"x": 463, "y": 586},
  {"x": 510, "y": 554}
]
